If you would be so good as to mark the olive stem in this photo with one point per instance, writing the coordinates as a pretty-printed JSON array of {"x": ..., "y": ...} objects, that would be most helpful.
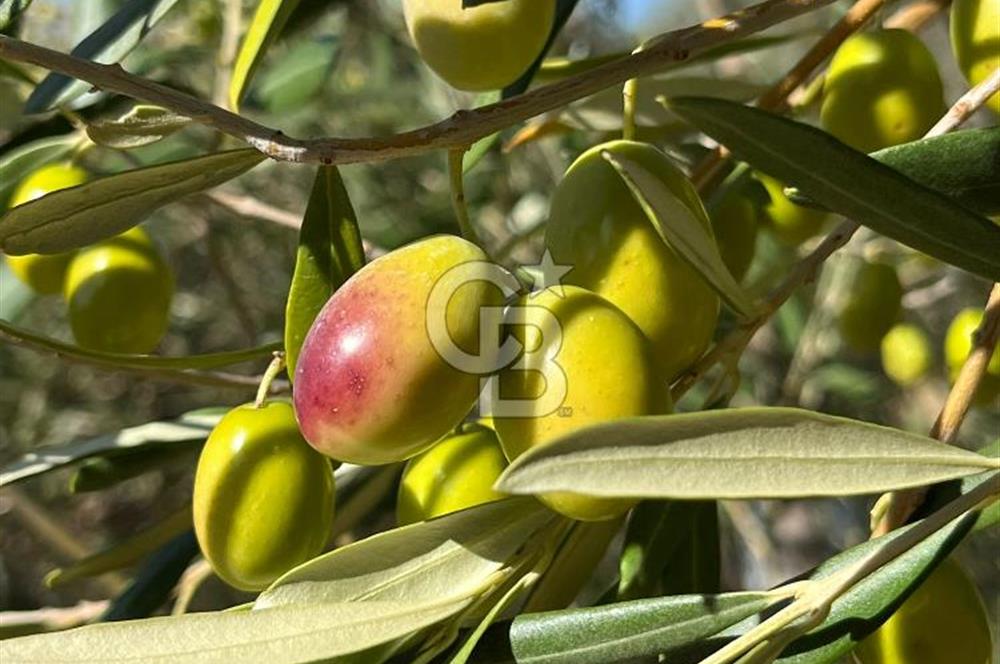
[
  {"x": 456, "y": 176},
  {"x": 276, "y": 366},
  {"x": 462, "y": 129}
]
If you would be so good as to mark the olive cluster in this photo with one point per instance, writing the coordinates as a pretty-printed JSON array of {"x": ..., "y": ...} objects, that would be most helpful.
[
  {"x": 372, "y": 387},
  {"x": 117, "y": 291}
]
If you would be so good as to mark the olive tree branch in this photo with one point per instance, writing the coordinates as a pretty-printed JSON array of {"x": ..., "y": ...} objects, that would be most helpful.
[
  {"x": 893, "y": 509},
  {"x": 806, "y": 269},
  {"x": 815, "y": 599},
  {"x": 157, "y": 368},
  {"x": 459, "y": 131}
]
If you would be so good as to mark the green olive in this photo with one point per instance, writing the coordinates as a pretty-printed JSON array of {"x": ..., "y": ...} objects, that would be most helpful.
[
  {"x": 371, "y": 384},
  {"x": 958, "y": 345},
  {"x": 598, "y": 228},
  {"x": 882, "y": 89},
  {"x": 943, "y": 621},
  {"x": 791, "y": 224},
  {"x": 458, "y": 472},
  {"x": 263, "y": 499},
  {"x": 486, "y": 47},
  {"x": 609, "y": 373},
  {"x": 44, "y": 273},
  {"x": 735, "y": 222},
  {"x": 975, "y": 40},
  {"x": 119, "y": 293},
  {"x": 874, "y": 302},
  {"x": 906, "y": 354}
]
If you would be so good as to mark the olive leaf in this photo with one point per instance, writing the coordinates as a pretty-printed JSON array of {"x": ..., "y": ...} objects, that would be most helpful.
[
  {"x": 329, "y": 252},
  {"x": 141, "y": 125},
  {"x": 681, "y": 230},
  {"x": 108, "y": 44},
  {"x": 267, "y": 23},
  {"x": 849, "y": 182},
  {"x": 106, "y": 470},
  {"x": 155, "y": 580},
  {"x": 964, "y": 165},
  {"x": 298, "y": 76},
  {"x": 738, "y": 453},
  {"x": 10, "y": 10},
  {"x": 455, "y": 557},
  {"x": 191, "y": 427},
  {"x": 671, "y": 548},
  {"x": 76, "y": 217},
  {"x": 623, "y": 631},
  {"x": 20, "y": 162}
]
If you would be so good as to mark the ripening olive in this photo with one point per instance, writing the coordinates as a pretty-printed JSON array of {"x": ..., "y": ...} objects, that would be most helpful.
[
  {"x": 975, "y": 40},
  {"x": 44, "y": 273},
  {"x": 944, "y": 620},
  {"x": 874, "y": 301},
  {"x": 735, "y": 222},
  {"x": 486, "y": 47},
  {"x": 263, "y": 499},
  {"x": 958, "y": 345},
  {"x": 119, "y": 293},
  {"x": 906, "y": 354},
  {"x": 458, "y": 472},
  {"x": 585, "y": 363},
  {"x": 371, "y": 384},
  {"x": 882, "y": 89},
  {"x": 598, "y": 228},
  {"x": 790, "y": 223}
]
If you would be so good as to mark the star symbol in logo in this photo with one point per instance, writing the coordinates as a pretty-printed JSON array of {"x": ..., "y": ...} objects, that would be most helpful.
[{"x": 547, "y": 274}]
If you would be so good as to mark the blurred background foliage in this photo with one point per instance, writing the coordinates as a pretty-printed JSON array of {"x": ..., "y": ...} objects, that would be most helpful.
[{"x": 346, "y": 68}]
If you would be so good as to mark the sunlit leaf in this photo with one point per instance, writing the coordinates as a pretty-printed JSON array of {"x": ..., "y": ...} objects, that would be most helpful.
[
  {"x": 267, "y": 23},
  {"x": 142, "y": 125}
]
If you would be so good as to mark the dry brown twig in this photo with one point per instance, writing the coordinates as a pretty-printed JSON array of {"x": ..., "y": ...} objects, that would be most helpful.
[{"x": 459, "y": 131}]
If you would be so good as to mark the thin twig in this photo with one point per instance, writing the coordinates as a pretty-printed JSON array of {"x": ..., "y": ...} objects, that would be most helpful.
[
  {"x": 968, "y": 104},
  {"x": 462, "y": 129},
  {"x": 776, "y": 97},
  {"x": 50, "y": 619},
  {"x": 252, "y": 207},
  {"x": 456, "y": 179},
  {"x": 913, "y": 16}
]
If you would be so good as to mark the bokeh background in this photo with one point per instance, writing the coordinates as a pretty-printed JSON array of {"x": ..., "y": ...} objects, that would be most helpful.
[{"x": 347, "y": 69}]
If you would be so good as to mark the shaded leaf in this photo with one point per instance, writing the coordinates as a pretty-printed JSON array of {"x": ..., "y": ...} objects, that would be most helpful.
[
  {"x": 10, "y": 10},
  {"x": 111, "y": 42},
  {"x": 564, "y": 9},
  {"x": 622, "y": 631},
  {"x": 20, "y": 162},
  {"x": 682, "y": 230},
  {"x": 850, "y": 183},
  {"x": 155, "y": 580},
  {"x": 737, "y": 453},
  {"x": 671, "y": 548},
  {"x": 191, "y": 427},
  {"x": 105, "y": 471},
  {"x": 79, "y": 216},
  {"x": 267, "y": 23},
  {"x": 330, "y": 251},
  {"x": 142, "y": 125},
  {"x": 298, "y": 76},
  {"x": 964, "y": 165}
]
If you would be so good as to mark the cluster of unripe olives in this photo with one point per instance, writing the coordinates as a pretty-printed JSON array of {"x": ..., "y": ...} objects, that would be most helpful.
[
  {"x": 370, "y": 385},
  {"x": 117, "y": 291}
]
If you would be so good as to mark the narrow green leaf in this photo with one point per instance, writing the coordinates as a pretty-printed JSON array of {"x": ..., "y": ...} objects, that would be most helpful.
[
  {"x": 299, "y": 76},
  {"x": 155, "y": 580},
  {"x": 108, "y": 44},
  {"x": 76, "y": 217},
  {"x": 20, "y": 162},
  {"x": 455, "y": 556},
  {"x": 330, "y": 251},
  {"x": 105, "y": 471},
  {"x": 940, "y": 494},
  {"x": 481, "y": 147},
  {"x": 671, "y": 548},
  {"x": 267, "y": 23},
  {"x": 850, "y": 183},
  {"x": 191, "y": 427},
  {"x": 285, "y": 635},
  {"x": 964, "y": 165},
  {"x": 680, "y": 229},
  {"x": 738, "y": 453},
  {"x": 626, "y": 630},
  {"x": 10, "y": 10},
  {"x": 197, "y": 362},
  {"x": 142, "y": 125}
]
